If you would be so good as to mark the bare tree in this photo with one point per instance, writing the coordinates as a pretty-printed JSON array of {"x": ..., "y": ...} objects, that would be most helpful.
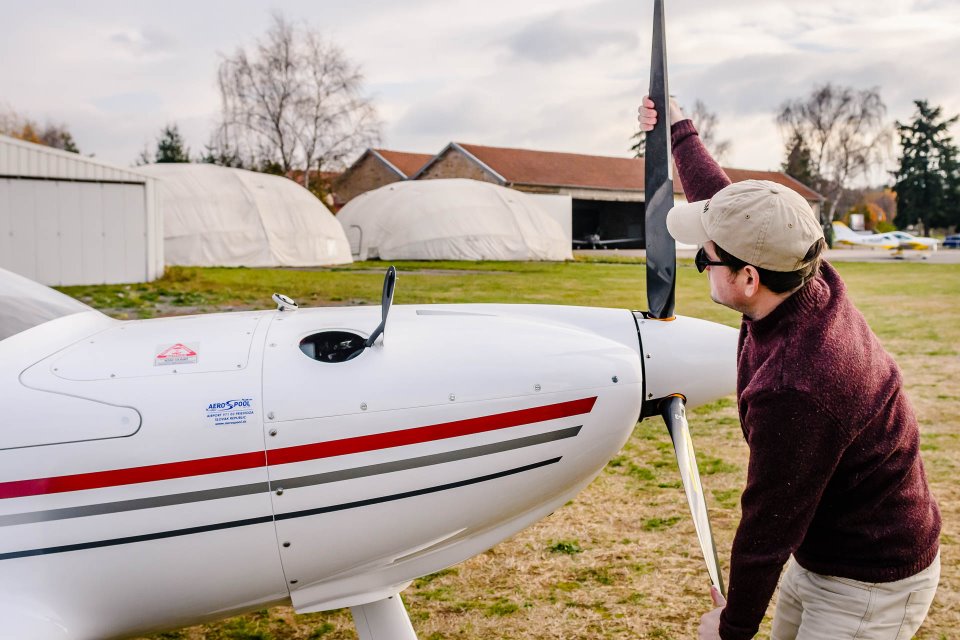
[
  {"x": 293, "y": 101},
  {"x": 844, "y": 130},
  {"x": 706, "y": 123}
]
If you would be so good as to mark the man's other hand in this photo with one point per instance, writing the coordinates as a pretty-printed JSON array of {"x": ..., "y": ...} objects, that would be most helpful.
[{"x": 710, "y": 622}]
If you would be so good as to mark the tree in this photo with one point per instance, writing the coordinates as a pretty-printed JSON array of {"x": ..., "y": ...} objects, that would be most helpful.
[
  {"x": 885, "y": 199},
  {"x": 292, "y": 101},
  {"x": 170, "y": 148},
  {"x": 706, "y": 123},
  {"x": 218, "y": 152},
  {"x": 872, "y": 215},
  {"x": 928, "y": 179},
  {"x": 798, "y": 163},
  {"x": 844, "y": 130},
  {"x": 51, "y": 135}
]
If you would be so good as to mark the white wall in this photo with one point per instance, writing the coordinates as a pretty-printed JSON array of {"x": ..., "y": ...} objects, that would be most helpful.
[
  {"x": 61, "y": 232},
  {"x": 558, "y": 207},
  {"x": 68, "y": 219}
]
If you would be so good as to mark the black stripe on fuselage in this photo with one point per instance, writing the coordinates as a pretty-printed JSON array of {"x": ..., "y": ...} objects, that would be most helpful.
[
  {"x": 265, "y": 519},
  {"x": 287, "y": 483}
]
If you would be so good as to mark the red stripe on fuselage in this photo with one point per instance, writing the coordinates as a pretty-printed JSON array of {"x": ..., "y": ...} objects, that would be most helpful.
[
  {"x": 426, "y": 434},
  {"x": 301, "y": 453}
]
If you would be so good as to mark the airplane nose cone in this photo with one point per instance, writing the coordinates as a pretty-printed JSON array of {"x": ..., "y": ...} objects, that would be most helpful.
[{"x": 692, "y": 357}]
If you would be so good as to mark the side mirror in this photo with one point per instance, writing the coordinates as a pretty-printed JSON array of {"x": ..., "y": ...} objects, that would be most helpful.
[{"x": 389, "y": 283}]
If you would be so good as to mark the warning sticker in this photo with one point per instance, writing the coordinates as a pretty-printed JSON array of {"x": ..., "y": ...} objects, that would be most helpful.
[
  {"x": 178, "y": 353},
  {"x": 236, "y": 411}
]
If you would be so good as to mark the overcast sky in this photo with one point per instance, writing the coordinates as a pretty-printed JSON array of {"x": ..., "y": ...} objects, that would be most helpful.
[{"x": 562, "y": 75}]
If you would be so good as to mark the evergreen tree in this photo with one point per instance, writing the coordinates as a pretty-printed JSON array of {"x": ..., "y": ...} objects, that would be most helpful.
[
  {"x": 799, "y": 164},
  {"x": 225, "y": 157},
  {"x": 928, "y": 179},
  {"x": 170, "y": 146},
  {"x": 639, "y": 147}
]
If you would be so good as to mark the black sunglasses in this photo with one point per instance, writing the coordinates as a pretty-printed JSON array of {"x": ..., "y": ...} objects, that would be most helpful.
[{"x": 702, "y": 261}]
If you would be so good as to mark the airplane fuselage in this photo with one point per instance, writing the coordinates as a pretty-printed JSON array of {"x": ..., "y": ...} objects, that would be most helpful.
[{"x": 216, "y": 464}]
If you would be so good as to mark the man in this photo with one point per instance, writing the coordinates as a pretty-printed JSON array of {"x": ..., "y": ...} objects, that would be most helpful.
[{"x": 835, "y": 477}]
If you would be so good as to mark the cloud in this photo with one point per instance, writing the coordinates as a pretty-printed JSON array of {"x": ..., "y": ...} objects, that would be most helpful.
[
  {"x": 557, "y": 38},
  {"x": 145, "y": 42},
  {"x": 129, "y": 101},
  {"x": 449, "y": 116},
  {"x": 549, "y": 74}
]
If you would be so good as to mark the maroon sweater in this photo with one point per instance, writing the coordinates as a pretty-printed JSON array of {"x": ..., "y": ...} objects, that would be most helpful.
[{"x": 835, "y": 476}]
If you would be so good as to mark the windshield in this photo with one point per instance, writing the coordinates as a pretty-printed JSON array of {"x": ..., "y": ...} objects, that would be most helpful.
[{"x": 25, "y": 304}]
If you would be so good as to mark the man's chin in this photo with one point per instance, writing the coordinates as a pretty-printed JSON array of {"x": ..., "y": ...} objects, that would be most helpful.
[{"x": 727, "y": 305}]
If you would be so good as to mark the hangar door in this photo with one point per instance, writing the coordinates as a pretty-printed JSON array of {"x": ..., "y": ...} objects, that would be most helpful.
[
  {"x": 610, "y": 221},
  {"x": 60, "y": 232}
]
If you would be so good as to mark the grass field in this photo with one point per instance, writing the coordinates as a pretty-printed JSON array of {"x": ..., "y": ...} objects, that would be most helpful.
[{"x": 620, "y": 561}]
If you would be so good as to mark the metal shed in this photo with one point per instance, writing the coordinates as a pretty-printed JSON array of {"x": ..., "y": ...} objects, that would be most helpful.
[{"x": 66, "y": 219}]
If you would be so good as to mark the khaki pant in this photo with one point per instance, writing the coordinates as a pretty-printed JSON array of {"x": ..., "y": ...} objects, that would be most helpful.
[{"x": 816, "y": 607}]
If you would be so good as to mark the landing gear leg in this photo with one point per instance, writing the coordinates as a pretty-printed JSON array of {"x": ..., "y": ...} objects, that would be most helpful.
[{"x": 383, "y": 620}]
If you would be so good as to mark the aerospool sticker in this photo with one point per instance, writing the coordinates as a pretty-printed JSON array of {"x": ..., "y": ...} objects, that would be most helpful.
[
  {"x": 227, "y": 412},
  {"x": 178, "y": 353}
]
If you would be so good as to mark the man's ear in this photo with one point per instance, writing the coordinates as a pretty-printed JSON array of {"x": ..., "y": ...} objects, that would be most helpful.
[{"x": 751, "y": 283}]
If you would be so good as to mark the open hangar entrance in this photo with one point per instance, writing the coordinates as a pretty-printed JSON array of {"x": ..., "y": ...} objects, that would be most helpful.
[{"x": 609, "y": 220}]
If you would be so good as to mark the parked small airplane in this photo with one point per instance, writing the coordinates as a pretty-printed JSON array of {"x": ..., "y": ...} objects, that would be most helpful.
[
  {"x": 161, "y": 473},
  {"x": 895, "y": 240},
  {"x": 593, "y": 241}
]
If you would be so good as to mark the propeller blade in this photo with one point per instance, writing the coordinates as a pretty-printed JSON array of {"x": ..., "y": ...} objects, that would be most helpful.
[
  {"x": 658, "y": 183},
  {"x": 675, "y": 415}
]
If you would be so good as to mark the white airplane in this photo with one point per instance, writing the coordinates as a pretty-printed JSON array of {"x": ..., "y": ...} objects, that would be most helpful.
[
  {"x": 894, "y": 240},
  {"x": 161, "y": 473}
]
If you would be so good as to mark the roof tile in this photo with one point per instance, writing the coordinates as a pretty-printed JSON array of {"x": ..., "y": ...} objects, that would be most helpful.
[
  {"x": 408, "y": 163},
  {"x": 551, "y": 168}
]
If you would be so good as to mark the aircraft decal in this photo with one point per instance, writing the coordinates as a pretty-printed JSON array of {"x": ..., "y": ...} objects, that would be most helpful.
[
  {"x": 229, "y": 412},
  {"x": 178, "y": 353},
  {"x": 269, "y": 518},
  {"x": 288, "y": 483},
  {"x": 300, "y": 453}
]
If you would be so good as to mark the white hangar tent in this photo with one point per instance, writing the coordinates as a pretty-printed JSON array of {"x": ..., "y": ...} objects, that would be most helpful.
[
  {"x": 218, "y": 216},
  {"x": 451, "y": 220},
  {"x": 67, "y": 220}
]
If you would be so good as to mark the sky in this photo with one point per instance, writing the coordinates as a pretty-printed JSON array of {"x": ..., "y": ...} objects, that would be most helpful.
[{"x": 557, "y": 75}]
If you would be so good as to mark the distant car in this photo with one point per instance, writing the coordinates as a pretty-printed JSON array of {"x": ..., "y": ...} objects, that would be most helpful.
[{"x": 952, "y": 242}]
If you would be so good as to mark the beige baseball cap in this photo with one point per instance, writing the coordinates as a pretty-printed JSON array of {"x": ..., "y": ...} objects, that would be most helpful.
[{"x": 763, "y": 223}]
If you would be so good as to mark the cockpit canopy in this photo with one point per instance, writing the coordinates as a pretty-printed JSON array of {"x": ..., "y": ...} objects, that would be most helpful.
[{"x": 25, "y": 304}]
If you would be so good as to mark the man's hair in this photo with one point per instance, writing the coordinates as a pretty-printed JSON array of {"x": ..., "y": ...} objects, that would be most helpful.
[{"x": 781, "y": 281}]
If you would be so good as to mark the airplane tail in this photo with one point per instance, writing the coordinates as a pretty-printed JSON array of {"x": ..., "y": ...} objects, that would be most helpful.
[{"x": 842, "y": 232}]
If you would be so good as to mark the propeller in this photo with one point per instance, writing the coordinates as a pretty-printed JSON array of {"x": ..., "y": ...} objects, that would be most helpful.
[
  {"x": 661, "y": 286},
  {"x": 674, "y": 414},
  {"x": 658, "y": 183}
]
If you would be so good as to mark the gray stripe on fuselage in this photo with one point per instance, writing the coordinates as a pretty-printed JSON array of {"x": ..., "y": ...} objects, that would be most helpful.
[
  {"x": 287, "y": 483},
  {"x": 426, "y": 461},
  {"x": 134, "y": 505}
]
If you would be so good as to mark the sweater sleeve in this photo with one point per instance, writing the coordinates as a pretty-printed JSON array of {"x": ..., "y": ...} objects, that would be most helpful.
[
  {"x": 699, "y": 173},
  {"x": 795, "y": 447}
]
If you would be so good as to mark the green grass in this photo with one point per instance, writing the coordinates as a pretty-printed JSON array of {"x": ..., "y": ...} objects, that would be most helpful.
[
  {"x": 607, "y": 284},
  {"x": 635, "y": 556},
  {"x": 568, "y": 547}
]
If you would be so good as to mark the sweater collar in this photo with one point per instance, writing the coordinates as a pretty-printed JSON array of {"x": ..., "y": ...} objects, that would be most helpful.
[{"x": 810, "y": 298}]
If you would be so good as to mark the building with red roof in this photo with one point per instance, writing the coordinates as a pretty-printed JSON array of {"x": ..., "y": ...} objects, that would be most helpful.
[{"x": 607, "y": 192}]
